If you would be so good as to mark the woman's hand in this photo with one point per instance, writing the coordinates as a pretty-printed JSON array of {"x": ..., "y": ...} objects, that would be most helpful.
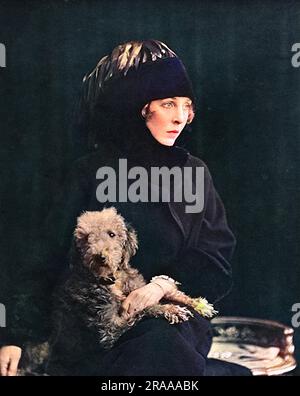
[
  {"x": 9, "y": 359},
  {"x": 147, "y": 296},
  {"x": 141, "y": 298}
]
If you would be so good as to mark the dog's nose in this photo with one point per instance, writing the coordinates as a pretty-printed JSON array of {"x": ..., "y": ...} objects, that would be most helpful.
[{"x": 100, "y": 258}]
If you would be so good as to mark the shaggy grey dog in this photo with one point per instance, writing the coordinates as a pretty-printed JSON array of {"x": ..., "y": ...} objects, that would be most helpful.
[{"x": 101, "y": 278}]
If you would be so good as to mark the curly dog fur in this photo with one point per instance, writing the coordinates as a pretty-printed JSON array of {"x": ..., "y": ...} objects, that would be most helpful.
[{"x": 102, "y": 277}]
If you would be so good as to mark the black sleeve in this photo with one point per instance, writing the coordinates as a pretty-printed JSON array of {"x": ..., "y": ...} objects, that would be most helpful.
[
  {"x": 28, "y": 311},
  {"x": 203, "y": 268}
]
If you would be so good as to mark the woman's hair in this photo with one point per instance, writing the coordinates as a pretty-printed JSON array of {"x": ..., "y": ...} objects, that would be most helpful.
[{"x": 116, "y": 90}]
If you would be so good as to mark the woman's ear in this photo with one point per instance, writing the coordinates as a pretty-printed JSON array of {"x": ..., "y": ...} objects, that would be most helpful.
[
  {"x": 145, "y": 111},
  {"x": 130, "y": 246}
]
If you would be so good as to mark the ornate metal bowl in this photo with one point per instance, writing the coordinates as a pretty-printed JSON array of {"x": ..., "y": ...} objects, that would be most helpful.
[{"x": 264, "y": 346}]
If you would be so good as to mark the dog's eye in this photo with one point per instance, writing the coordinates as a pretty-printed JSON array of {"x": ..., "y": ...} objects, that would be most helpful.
[{"x": 111, "y": 234}]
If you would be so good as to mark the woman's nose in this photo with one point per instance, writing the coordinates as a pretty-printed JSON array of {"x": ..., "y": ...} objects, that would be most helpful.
[{"x": 179, "y": 115}]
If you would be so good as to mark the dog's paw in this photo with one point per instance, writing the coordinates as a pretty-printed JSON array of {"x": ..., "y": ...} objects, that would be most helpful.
[{"x": 177, "y": 314}]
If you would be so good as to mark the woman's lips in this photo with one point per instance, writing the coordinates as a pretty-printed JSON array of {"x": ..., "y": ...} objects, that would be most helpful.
[{"x": 172, "y": 131}]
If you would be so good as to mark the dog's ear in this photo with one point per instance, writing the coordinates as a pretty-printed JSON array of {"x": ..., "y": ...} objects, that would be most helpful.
[
  {"x": 81, "y": 235},
  {"x": 83, "y": 228},
  {"x": 130, "y": 246}
]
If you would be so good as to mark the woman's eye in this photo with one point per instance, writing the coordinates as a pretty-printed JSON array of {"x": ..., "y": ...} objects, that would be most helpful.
[
  {"x": 168, "y": 104},
  {"x": 111, "y": 234}
]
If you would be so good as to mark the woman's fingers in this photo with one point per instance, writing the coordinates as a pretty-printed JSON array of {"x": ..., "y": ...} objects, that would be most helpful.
[
  {"x": 13, "y": 367},
  {"x": 142, "y": 298},
  {"x": 131, "y": 304},
  {"x": 9, "y": 360},
  {"x": 3, "y": 367}
]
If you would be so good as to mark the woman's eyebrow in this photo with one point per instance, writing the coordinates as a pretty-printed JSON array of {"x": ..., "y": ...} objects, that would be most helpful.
[
  {"x": 189, "y": 101},
  {"x": 176, "y": 97}
]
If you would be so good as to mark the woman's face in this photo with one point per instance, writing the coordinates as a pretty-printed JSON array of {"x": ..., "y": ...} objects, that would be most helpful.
[{"x": 167, "y": 118}]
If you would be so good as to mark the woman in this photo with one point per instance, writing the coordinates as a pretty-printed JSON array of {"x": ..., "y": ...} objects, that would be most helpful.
[{"x": 136, "y": 103}]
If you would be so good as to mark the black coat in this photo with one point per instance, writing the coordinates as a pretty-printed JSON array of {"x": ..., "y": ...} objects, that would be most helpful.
[{"x": 194, "y": 249}]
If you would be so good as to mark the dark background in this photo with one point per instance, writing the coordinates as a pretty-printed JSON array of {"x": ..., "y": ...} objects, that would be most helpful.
[{"x": 247, "y": 128}]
